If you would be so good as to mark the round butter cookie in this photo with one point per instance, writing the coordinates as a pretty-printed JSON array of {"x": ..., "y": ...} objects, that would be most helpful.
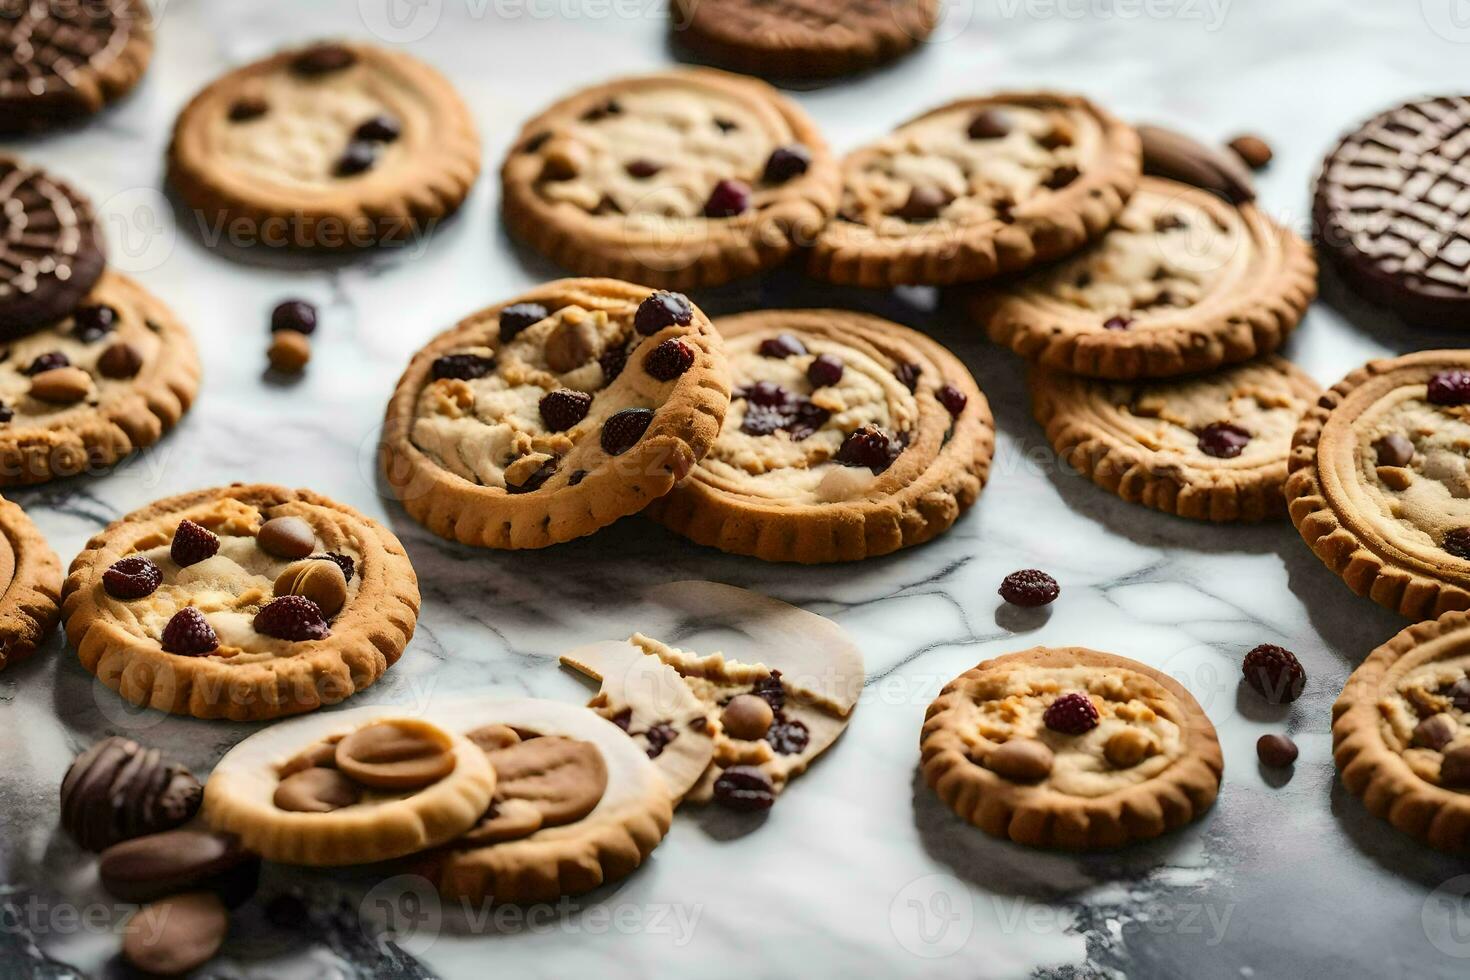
[{"x": 30, "y": 585}]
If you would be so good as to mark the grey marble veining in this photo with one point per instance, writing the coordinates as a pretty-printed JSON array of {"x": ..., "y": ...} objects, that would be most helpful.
[{"x": 859, "y": 870}]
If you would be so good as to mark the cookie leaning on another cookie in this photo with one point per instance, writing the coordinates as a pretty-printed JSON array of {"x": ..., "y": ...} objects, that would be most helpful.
[
  {"x": 680, "y": 179},
  {"x": 1208, "y": 446},
  {"x": 30, "y": 586},
  {"x": 849, "y": 437},
  {"x": 543, "y": 419}
]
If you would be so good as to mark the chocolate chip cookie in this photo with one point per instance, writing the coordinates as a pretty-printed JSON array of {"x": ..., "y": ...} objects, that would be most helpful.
[
  {"x": 349, "y": 788},
  {"x": 793, "y": 39},
  {"x": 94, "y": 386},
  {"x": 1070, "y": 748},
  {"x": 1378, "y": 481},
  {"x": 244, "y": 602},
  {"x": 848, "y": 437},
  {"x": 51, "y": 253},
  {"x": 978, "y": 188},
  {"x": 30, "y": 596},
  {"x": 333, "y": 146},
  {"x": 679, "y": 179},
  {"x": 1184, "y": 282},
  {"x": 66, "y": 60},
  {"x": 546, "y": 418},
  {"x": 1209, "y": 446}
]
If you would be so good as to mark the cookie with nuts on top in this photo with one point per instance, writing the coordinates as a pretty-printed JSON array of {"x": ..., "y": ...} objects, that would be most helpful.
[
  {"x": 976, "y": 189},
  {"x": 244, "y": 602},
  {"x": 1378, "y": 483},
  {"x": 1070, "y": 748},
  {"x": 88, "y": 389},
  {"x": 543, "y": 419},
  {"x": 30, "y": 585},
  {"x": 679, "y": 179},
  {"x": 1401, "y": 732},
  {"x": 1186, "y": 281},
  {"x": 848, "y": 437},
  {"x": 1208, "y": 446},
  {"x": 332, "y": 146}
]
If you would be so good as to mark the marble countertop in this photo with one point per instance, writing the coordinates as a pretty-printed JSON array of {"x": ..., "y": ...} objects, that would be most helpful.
[{"x": 859, "y": 870}]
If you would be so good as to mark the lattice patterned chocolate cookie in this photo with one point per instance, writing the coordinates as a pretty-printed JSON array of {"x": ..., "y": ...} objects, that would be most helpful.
[
  {"x": 849, "y": 437},
  {"x": 332, "y": 146},
  {"x": 978, "y": 188},
  {"x": 1208, "y": 446},
  {"x": 1401, "y": 732},
  {"x": 107, "y": 380},
  {"x": 64, "y": 60},
  {"x": 244, "y": 602},
  {"x": 349, "y": 788},
  {"x": 1070, "y": 748},
  {"x": 30, "y": 595},
  {"x": 1379, "y": 481},
  {"x": 50, "y": 251},
  {"x": 544, "y": 419},
  {"x": 680, "y": 179},
  {"x": 1391, "y": 207},
  {"x": 1184, "y": 282},
  {"x": 802, "y": 38}
]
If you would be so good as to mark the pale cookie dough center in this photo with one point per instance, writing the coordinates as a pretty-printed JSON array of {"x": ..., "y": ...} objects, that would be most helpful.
[{"x": 1428, "y": 495}]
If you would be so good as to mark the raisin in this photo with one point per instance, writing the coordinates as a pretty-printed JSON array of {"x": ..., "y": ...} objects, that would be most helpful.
[
  {"x": 1029, "y": 587},
  {"x": 622, "y": 430},
  {"x": 564, "y": 408},
  {"x": 517, "y": 317},
  {"x": 669, "y": 360},
  {"x": 663, "y": 309},
  {"x": 463, "y": 367},
  {"x": 744, "y": 788}
]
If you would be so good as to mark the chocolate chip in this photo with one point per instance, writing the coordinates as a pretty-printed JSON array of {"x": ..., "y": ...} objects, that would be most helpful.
[
  {"x": 323, "y": 59},
  {"x": 623, "y": 429},
  {"x": 577, "y": 477},
  {"x": 728, "y": 199},
  {"x": 786, "y": 162},
  {"x": 953, "y": 400},
  {"x": 464, "y": 367},
  {"x": 726, "y": 125},
  {"x": 642, "y": 169},
  {"x": 781, "y": 345},
  {"x": 1169, "y": 222},
  {"x": 600, "y": 112},
  {"x": 379, "y": 129},
  {"x": 287, "y": 537},
  {"x": 1457, "y": 542},
  {"x": 1117, "y": 323},
  {"x": 49, "y": 361},
  {"x": 316, "y": 790},
  {"x": 91, "y": 323},
  {"x": 6, "y": 412},
  {"x": 120, "y": 361},
  {"x": 396, "y": 755},
  {"x": 1223, "y": 440},
  {"x": 533, "y": 481},
  {"x": 924, "y": 204},
  {"x": 825, "y": 370},
  {"x": 150, "y": 867},
  {"x": 989, "y": 124},
  {"x": 359, "y": 157},
  {"x": 294, "y": 314},
  {"x": 247, "y": 108},
  {"x": 744, "y": 788},
  {"x": 518, "y": 316},
  {"x": 118, "y": 790},
  {"x": 1276, "y": 751},
  {"x": 1061, "y": 177},
  {"x": 175, "y": 934},
  {"x": 1021, "y": 760},
  {"x": 1394, "y": 449},
  {"x": 907, "y": 374}
]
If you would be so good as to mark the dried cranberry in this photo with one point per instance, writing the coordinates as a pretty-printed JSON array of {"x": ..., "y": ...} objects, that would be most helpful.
[
  {"x": 49, "y": 361},
  {"x": 344, "y": 562},
  {"x": 379, "y": 129},
  {"x": 1457, "y": 542},
  {"x": 729, "y": 198},
  {"x": 659, "y": 736},
  {"x": 464, "y": 367},
  {"x": 132, "y": 578},
  {"x": 536, "y": 480},
  {"x": 767, "y": 394},
  {"x": 787, "y": 735},
  {"x": 989, "y": 124},
  {"x": 807, "y": 420},
  {"x": 781, "y": 345},
  {"x": 622, "y": 430},
  {"x": 564, "y": 408},
  {"x": 825, "y": 370},
  {"x": 292, "y": 617},
  {"x": 359, "y": 157},
  {"x": 1223, "y": 440},
  {"x": 762, "y": 421},
  {"x": 294, "y": 314},
  {"x": 744, "y": 788},
  {"x": 192, "y": 544},
  {"x": 786, "y": 162},
  {"x": 907, "y": 375},
  {"x": 1117, "y": 323},
  {"x": 1071, "y": 714},
  {"x": 771, "y": 691},
  {"x": 663, "y": 309},
  {"x": 189, "y": 634},
  {"x": 91, "y": 323},
  {"x": 1029, "y": 587},
  {"x": 518, "y": 316},
  {"x": 1274, "y": 673},
  {"x": 669, "y": 359},
  {"x": 1449, "y": 387},
  {"x": 953, "y": 400},
  {"x": 868, "y": 446}
]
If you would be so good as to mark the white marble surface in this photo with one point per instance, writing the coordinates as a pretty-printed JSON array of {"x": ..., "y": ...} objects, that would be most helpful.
[{"x": 858, "y": 871}]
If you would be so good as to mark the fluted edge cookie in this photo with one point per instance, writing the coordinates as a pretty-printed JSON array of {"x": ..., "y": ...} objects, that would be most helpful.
[
  {"x": 1157, "y": 744},
  {"x": 31, "y": 601},
  {"x": 213, "y": 546},
  {"x": 1368, "y": 488},
  {"x": 405, "y": 151},
  {"x": 511, "y": 430},
  {"x": 582, "y": 185},
  {"x": 1399, "y": 736},
  {"x": 1208, "y": 447},
  {"x": 780, "y": 482},
  {"x": 1067, "y": 169},
  {"x": 1184, "y": 282}
]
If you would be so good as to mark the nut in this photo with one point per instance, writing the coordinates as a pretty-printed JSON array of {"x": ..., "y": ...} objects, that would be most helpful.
[
  {"x": 287, "y": 537},
  {"x": 747, "y": 717},
  {"x": 121, "y": 360},
  {"x": 289, "y": 351},
  {"x": 572, "y": 343},
  {"x": 1255, "y": 151},
  {"x": 1022, "y": 760},
  {"x": 318, "y": 579},
  {"x": 61, "y": 386},
  {"x": 1127, "y": 748}
]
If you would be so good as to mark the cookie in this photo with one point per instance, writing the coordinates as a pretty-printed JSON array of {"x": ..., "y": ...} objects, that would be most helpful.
[
  {"x": 978, "y": 188},
  {"x": 1209, "y": 446},
  {"x": 349, "y": 788},
  {"x": 242, "y": 602},
  {"x": 1377, "y": 483},
  {"x": 576, "y": 804},
  {"x": 543, "y": 419},
  {"x": 95, "y": 386},
  {"x": 848, "y": 437},
  {"x": 680, "y": 179},
  {"x": 1184, "y": 282},
  {"x": 1390, "y": 206},
  {"x": 30, "y": 603},
  {"x": 51, "y": 252},
  {"x": 796, "y": 39},
  {"x": 118, "y": 790},
  {"x": 1401, "y": 732},
  {"x": 65, "y": 61},
  {"x": 334, "y": 146},
  {"x": 1070, "y": 748}
]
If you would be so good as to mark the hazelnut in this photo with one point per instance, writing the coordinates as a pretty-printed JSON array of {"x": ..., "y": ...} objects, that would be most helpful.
[
  {"x": 61, "y": 386},
  {"x": 747, "y": 716},
  {"x": 1021, "y": 760},
  {"x": 286, "y": 537},
  {"x": 1253, "y": 150},
  {"x": 1128, "y": 747},
  {"x": 1436, "y": 731},
  {"x": 319, "y": 579},
  {"x": 572, "y": 343},
  {"x": 121, "y": 360},
  {"x": 289, "y": 351}
]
